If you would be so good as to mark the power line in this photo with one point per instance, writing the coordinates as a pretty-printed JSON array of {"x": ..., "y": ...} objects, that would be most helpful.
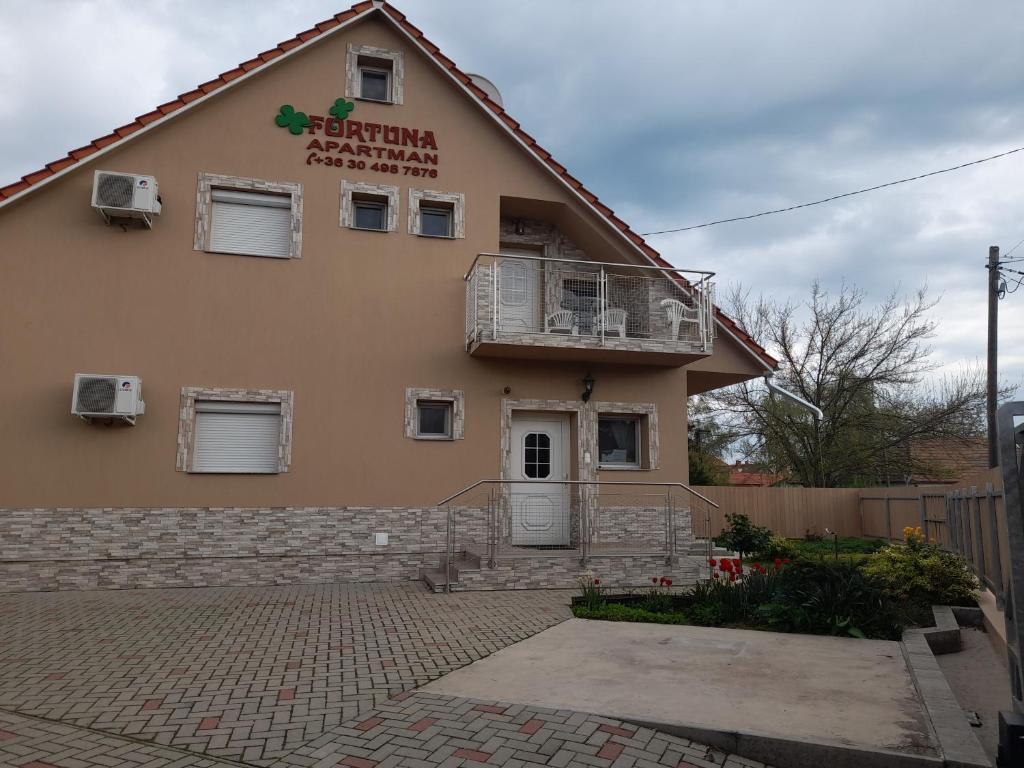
[
  {"x": 1018, "y": 245},
  {"x": 837, "y": 197}
]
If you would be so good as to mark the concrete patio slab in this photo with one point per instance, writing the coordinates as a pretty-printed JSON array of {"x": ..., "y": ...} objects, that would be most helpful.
[{"x": 821, "y": 690}]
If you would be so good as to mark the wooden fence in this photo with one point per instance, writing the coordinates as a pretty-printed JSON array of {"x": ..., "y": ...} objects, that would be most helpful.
[
  {"x": 968, "y": 518},
  {"x": 790, "y": 512}
]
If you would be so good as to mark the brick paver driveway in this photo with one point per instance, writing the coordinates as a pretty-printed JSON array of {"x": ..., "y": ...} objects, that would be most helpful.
[{"x": 319, "y": 675}]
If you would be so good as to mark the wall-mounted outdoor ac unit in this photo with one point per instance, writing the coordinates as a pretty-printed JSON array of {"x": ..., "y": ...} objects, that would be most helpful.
[
  {"x": 103, "y": 396},
  {"x": 125, "y": 196}
]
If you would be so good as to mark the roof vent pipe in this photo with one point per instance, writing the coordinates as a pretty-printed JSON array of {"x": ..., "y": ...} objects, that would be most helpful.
[{"x": 816, "y": 412}]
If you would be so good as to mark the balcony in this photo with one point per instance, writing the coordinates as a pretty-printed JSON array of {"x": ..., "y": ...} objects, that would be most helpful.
[{"x": 557, "y": 309}]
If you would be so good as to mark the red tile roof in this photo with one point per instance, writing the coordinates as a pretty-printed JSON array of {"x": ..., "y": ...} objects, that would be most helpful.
[
  {"x": 746, "y": 474},
  {"x": 76, "y": 156}
]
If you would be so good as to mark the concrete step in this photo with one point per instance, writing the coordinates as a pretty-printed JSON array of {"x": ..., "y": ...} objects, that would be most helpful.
[{"x": 437, "y": 578}]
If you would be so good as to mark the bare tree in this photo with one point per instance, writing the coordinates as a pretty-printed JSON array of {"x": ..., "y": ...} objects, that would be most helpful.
[{"x": 867, "y": 369}]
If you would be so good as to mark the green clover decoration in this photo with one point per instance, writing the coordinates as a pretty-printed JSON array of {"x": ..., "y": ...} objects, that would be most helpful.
[
  {"x": 292, "y": 120},
  {"x": 342, "y": 109}
]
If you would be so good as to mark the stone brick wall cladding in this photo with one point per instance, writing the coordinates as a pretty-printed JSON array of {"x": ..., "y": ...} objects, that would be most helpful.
[
  {"x": 638, "y": 526},
  {"x": 619, "y": 571},
  {"x": 45, "y": 549},
  {"x": 77, "y": 549}
]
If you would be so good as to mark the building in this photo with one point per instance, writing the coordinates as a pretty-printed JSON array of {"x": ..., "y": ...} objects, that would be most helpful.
[
  {"x": 945, "y": 461},
  {"x": 745, "y": 474},
  {"x": 366, "y": 288}
]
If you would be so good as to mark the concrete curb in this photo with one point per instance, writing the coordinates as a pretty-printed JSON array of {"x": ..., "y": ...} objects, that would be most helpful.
[
  {"x": 957, "y": 742},
  {"x": 793, "y": 753}
]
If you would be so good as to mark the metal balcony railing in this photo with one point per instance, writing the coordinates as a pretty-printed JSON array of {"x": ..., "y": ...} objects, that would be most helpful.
[
  {"x": 532, "y": 299},
  {"x": 492, "y": 519}
]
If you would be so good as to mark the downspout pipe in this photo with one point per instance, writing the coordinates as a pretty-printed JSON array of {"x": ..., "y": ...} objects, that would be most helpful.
[{"x": 774, "y": 388}]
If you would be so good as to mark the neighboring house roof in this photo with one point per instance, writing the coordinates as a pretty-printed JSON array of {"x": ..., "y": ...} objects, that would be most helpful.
[
  {"x": 748, "y": 474},
  {"x": 171, "y": 108},
  {"x": 947, "y": 460}
]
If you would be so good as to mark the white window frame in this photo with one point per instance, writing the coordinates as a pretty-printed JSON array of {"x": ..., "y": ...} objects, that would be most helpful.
[
  {"x": 208, "y": 182},
  {"x": 456, "y": 201},
  {"x": 371, "y": 205},
  {"x": 434, "y": 210},
  {"x": 360, "y": 57},
  {"x": 449, "y": 418},
  {"x": 363, "y": 68},
  {"x": 352, "y": 191},
  {"x": 637, "y": 422}
]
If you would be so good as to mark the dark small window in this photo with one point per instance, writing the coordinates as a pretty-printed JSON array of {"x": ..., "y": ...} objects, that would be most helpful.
[
  {"x": 435, "y": 222},
  {"x": 434, "y": 419},
  {"x": 374, "y": 84},
  {"x": 618, "y": 440},
  {"x": 370, "y": 214},
  {"x": 537, "y": 455}
]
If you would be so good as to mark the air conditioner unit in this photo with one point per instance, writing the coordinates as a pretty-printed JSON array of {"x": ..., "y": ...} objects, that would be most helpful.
[
  {"x": 103, "y": 396},
  {"x": 125, "y": 196}
]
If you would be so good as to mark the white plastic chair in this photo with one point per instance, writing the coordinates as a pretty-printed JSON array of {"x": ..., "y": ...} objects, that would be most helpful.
[
  {"x": 611, "y": 320},
  {"x": 678, "y": 313},
  {"x": 563, "y": 321}
]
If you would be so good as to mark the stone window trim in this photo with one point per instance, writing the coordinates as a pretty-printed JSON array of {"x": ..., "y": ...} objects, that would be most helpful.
[
  {"x": 397, "y": 59},
  {"x": 204, "y": 205},
  {"x": 349, "y": 188},
  {"x": 456, "y": 200},
  {"x": 456, "y": 397},
  {"x": 187, "y": 419},
  {"x": 648, "y": 413}
]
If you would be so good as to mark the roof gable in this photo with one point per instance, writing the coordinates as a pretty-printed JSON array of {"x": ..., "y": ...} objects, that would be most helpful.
[{"x": 171, "y": 109}]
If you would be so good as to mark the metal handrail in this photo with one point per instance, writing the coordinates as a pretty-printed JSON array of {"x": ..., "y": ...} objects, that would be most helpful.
[
  {"x": 706, "y": 274},
  {"x": 450, "y": 544},
  {"x": 684, "y": 486}
]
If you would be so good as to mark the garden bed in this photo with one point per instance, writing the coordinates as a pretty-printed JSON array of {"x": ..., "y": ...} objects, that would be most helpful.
[{"x": 872, "y": 591}]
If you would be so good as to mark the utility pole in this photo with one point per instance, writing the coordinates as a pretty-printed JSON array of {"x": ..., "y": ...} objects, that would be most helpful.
[{"x": 993, "y": 350}]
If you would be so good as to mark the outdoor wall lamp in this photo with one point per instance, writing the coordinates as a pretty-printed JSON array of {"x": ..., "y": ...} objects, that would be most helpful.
[{"x": 588, "y": 388}]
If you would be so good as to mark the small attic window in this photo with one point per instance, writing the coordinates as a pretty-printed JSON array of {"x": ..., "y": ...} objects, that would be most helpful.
[
  {"x": 374, "y": 74},
  {"x": 374, "y": 83}
]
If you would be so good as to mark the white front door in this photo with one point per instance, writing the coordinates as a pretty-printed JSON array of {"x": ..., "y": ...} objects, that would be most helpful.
[
  {"x": 539, "y": 511},
  {"x": 519, "y": 293}
]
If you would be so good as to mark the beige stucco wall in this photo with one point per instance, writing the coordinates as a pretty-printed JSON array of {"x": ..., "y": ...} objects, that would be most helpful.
[{"x": 348, "y": 327}]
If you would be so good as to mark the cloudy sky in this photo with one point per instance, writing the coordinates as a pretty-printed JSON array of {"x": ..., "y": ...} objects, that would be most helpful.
[{"x": 675, "y": 113}]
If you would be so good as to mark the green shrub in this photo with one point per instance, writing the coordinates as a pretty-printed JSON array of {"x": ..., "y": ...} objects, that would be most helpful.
[
  {"x": 848, "y": 545},
  {"x": 834, "y": 598},
  {"x": 923, "y": 574},
  {"x": 778, "y": 547},
  {"x": 619, "y": 612},
  {"x": 743, "y": 536}
]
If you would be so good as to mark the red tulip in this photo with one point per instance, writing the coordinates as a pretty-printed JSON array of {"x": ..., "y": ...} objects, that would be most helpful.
[
  {"x": 668, "y": 582},
  {"x": 654, "y": 579},
  {"x": 712, "y": 562},
  {"x": 597, "y": 581},
  {"x": 732, "y": 577},
  {"x": 714, "y": 575},
  {"x": 738, "y": 562},
  {"x": 777, "y": 562},
  {"x": 726, "y": 565},
  {"x": 787, "y": 561}
]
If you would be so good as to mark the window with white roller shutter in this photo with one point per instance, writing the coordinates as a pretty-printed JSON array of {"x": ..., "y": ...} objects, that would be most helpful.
[
  {"x": 251, "y": 223},
  {"x": 233, "y": 437}
]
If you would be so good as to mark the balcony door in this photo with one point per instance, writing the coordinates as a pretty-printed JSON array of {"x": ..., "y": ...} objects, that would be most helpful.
[
  {"x": 519, "y": 299},
  {"x": 539, "y": 511}
]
